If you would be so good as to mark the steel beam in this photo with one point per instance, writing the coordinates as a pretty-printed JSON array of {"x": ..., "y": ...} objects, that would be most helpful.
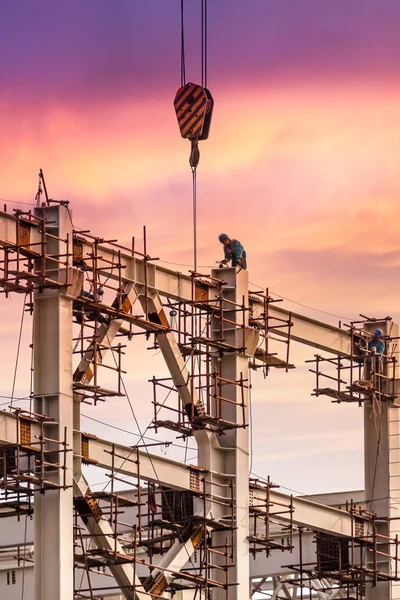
[
  {"x": 288, "y": 587},
  {"x": 173, "y": 561},
  {"x": 172, "y": 354},
  {"x": 54, "y": 563},
  {"x": 175, "y": 285},
  {"x": 312, "y": 515},
  {"x": 308, "y": 331},
  {"x": 170, "y": 473},
  {"x": 9, "y": 429},
  {"x": 206, "y": 441},
  {"x": 84, "y": 373},
  {"x": 104, "y": 538},
  {"x": 163, "y": 471},
  {"x": 234, "y": 367},
  {"x": 152, "y": 468},
  {"x": 382, "y": 480}
]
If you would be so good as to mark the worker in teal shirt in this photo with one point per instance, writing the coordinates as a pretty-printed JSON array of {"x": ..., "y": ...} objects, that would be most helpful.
[
  {"x": 375, "y": 344},
  {"x": 233, "y": 251},
  {"x": 377, "y": 348}
]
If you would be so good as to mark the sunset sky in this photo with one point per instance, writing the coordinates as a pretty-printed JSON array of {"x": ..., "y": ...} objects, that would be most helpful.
[{"x": 301, "y": 166}]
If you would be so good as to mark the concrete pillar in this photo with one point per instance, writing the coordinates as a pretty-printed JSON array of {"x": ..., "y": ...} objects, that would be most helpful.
[
  {"x": 234, "y": 443},
  {"x": 53, "y": 398},
  {"x": 382, "y": 475}
]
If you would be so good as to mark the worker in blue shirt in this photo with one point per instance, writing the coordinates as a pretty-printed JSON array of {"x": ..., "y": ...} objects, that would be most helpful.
[
  {"x": 376, "y": 344},
  {"x": 376, "y": 347},
  {"x": 233, "y": 251}
]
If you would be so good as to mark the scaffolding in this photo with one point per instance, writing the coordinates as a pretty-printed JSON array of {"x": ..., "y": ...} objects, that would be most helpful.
[
  {"x": 271, "y": 522},
  {"x": 29, "y": 465},
  {"x": 203, "y": 331},
  {"x": 366, "y": 558},
  {"x": 162, "y": 518},
  {"x": 28, "y": 264},
  {"x": 206, "y": 329},
  {"x": 175, "y": 516},
  {"x": 103, "y": 311},
  {"x": 267, "y": 325},
  {"x": 361, "y": 376}
]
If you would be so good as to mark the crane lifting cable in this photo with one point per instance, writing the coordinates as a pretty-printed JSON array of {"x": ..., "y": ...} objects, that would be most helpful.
[{"x": 193, "y": 106}]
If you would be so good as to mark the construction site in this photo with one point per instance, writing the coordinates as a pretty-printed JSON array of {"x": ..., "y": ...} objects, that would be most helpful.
[
  {"x": 163, "y": 528},
  {"x": 89, "y": 518}
]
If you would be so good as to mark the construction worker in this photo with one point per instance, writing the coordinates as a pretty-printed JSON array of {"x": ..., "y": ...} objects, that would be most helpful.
[
  {"x": 376, "y": 347},
  {"x": 88, "y": 312},
  {"x": 376, "y": 344},
  {"x": 233, "y": 251}
]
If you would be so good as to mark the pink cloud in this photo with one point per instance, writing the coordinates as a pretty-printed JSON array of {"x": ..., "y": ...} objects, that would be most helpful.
[{"x": 300, "y": 170}]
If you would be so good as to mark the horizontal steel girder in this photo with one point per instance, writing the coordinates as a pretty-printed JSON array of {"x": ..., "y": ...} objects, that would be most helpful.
[
  {"x": 163, "y": 471},
  {"x": 172, "y": 284}
]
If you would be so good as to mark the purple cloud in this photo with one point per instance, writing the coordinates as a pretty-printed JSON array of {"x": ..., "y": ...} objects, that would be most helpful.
[{"x": 97, "y": 50}]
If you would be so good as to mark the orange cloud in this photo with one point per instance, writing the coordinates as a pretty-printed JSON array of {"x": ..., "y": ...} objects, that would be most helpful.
[{"x": 286, "y": 169}]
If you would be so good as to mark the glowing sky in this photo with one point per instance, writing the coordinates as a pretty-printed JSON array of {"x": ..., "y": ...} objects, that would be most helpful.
[{"x": 301, "y": 166}]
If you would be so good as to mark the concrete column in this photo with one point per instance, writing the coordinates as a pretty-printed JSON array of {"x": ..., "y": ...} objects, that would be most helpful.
[
  {"x": 234, "y": 444},
  {"x": 394, "y": 487},
  {"x": 53, "y": 398},
  {"x": 382, "y": 476}
]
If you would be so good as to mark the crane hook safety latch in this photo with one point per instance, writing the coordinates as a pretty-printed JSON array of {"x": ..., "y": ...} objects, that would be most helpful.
[{"x": 193, "y": 106}]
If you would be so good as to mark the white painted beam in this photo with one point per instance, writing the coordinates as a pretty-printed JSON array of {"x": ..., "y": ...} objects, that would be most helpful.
[
  {"x": 152, "y": 467},
  {"x": 173, "y": 561},
  {"x": 308, "y": 331},
  {"x": 172, "y": 355},
  {"x": 103, "y": 537},
  {"x": 314, "y": 516},
  {"x": 52, "y": 351},
  {"x": 173, "y": 284},
  {"x": 176, "y": 475}
]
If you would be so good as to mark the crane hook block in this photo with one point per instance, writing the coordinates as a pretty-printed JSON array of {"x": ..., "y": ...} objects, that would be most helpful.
[{"x": 193, "y": 106}]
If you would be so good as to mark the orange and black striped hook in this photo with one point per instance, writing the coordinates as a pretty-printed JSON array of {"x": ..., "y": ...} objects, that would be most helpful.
[{"x": 193, "y": 106}]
